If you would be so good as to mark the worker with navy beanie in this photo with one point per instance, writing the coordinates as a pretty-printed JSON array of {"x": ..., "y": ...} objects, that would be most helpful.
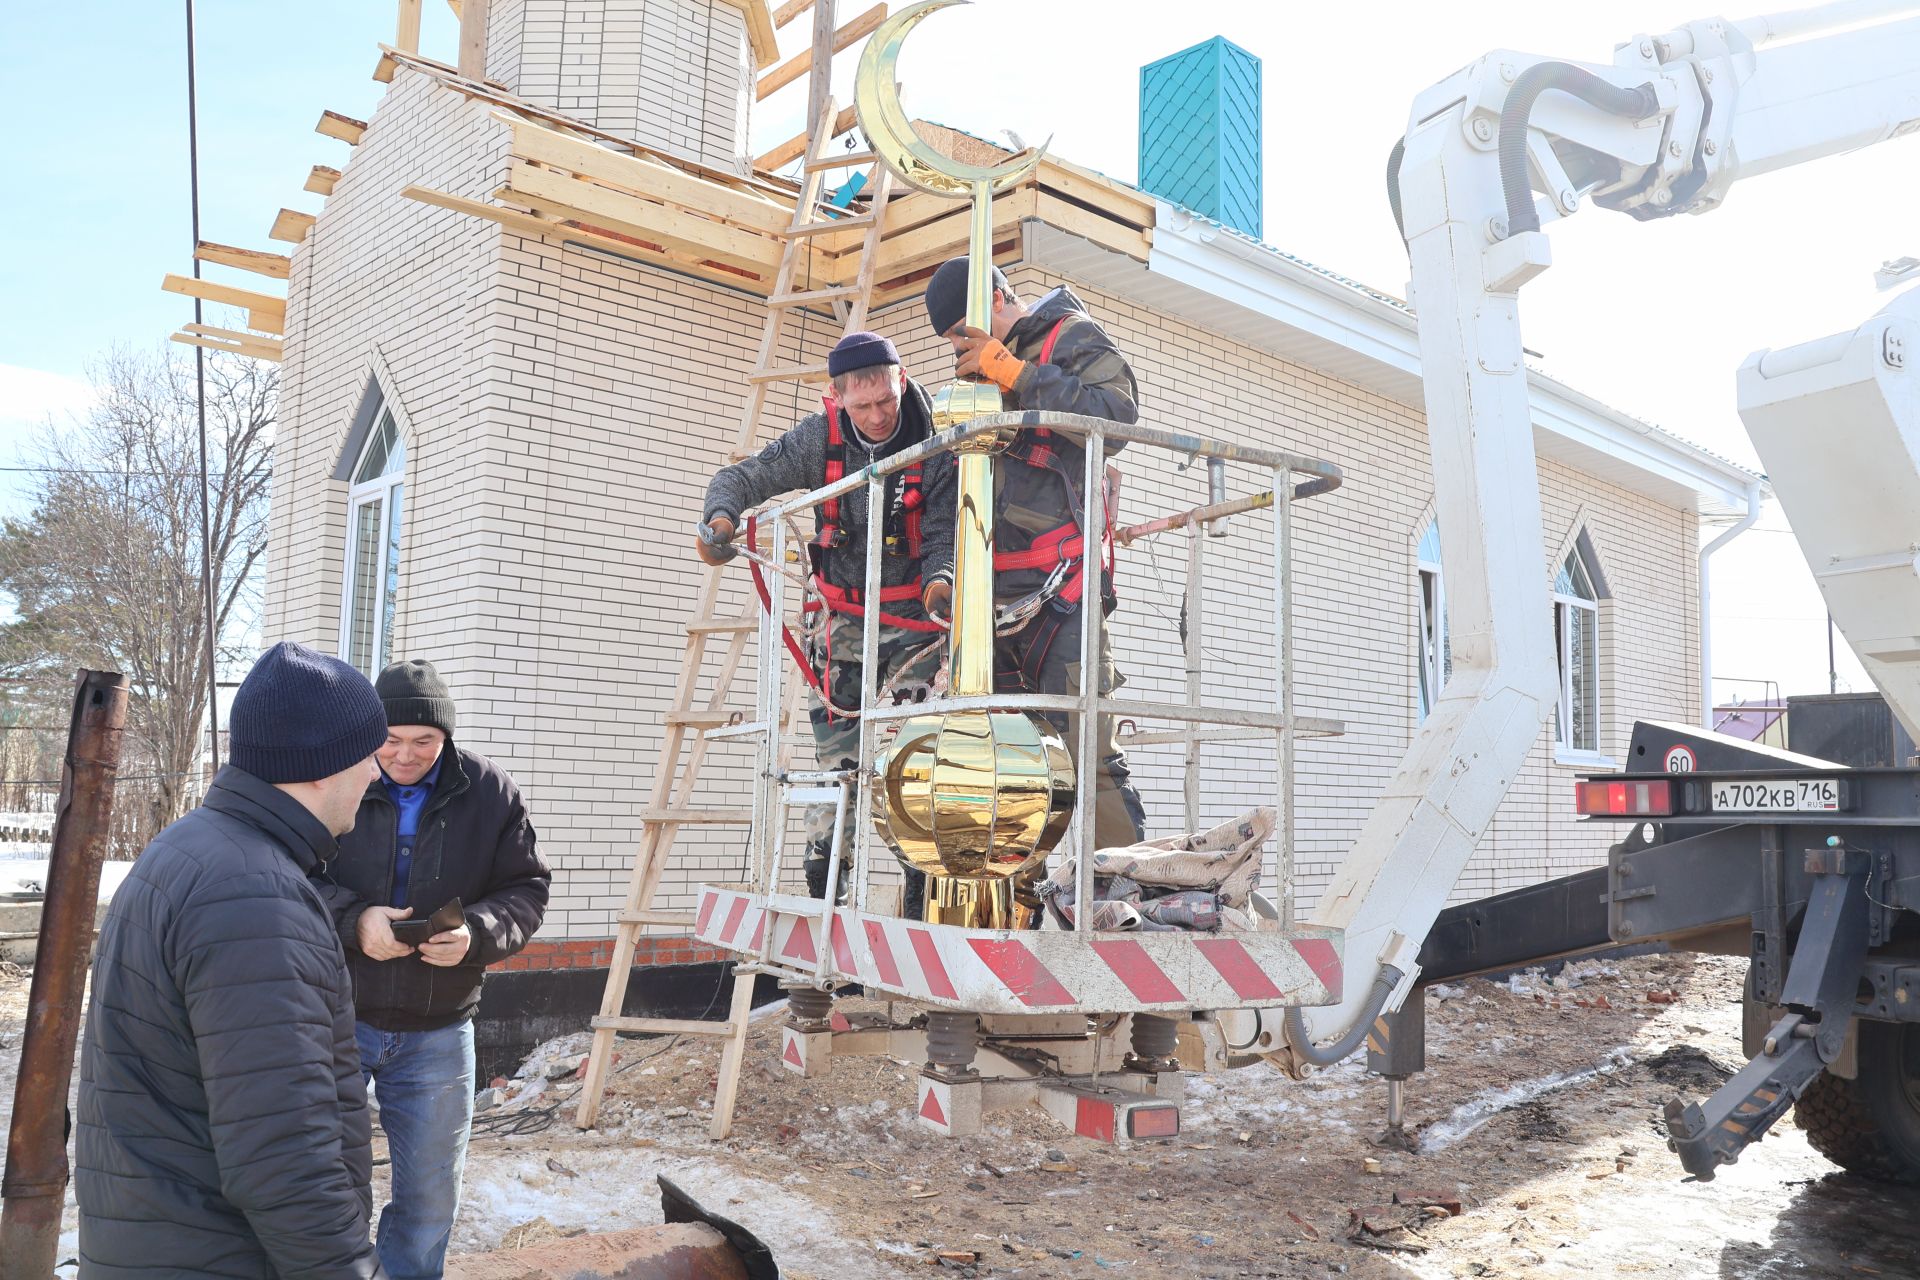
[
  {"x": 871, "y": 412},
  {"x": 223, "y": 1126}
]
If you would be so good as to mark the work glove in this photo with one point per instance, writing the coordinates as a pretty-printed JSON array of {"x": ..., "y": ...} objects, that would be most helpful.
[
  {"x": 984, "y": 356},
  {"x": 716, "y": 541},
  {"x": 937, "y": 600}
]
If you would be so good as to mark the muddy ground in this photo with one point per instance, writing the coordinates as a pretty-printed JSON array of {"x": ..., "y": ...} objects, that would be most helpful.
[{"x": 1539, "y": 1115}]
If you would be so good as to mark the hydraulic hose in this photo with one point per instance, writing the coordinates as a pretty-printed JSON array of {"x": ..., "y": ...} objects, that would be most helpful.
[
  {"x": 1295, "y": 1025},
  {"x": 1633, "y": 104}
]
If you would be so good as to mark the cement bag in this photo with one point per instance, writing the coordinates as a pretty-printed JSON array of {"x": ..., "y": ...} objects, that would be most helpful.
[{"x": 1196, "y": 882}]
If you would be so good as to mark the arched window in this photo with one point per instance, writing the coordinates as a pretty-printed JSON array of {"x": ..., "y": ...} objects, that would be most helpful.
[
  {"x": 371, "y": 586},
  {"x": 1434, "y": 661},
  {"x": 1576, "y": 630}
]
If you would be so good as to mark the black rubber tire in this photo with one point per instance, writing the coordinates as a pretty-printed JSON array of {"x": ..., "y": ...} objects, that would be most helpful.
[{"x": 1871, "y": 1126}]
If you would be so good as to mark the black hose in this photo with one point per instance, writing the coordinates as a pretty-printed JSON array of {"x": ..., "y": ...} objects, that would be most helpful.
[
  {"x": 1633, "y": 104},
  {"x": 1394, "y": 157},
  {"x": 1302, "y": 1045}
]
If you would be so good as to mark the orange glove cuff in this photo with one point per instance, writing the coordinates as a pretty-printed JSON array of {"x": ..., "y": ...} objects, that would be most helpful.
[{"x": 1000, "y": 365}]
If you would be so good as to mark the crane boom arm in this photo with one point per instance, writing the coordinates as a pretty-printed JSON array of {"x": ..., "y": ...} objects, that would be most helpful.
[{"x": 1491, "y": 153}]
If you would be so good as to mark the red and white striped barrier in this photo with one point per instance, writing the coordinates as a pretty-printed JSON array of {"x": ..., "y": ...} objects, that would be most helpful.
[{"x": 1028, "y": 971}]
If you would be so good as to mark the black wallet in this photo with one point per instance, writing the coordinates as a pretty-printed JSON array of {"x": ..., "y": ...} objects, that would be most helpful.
[{"x": 415, "y": 932}]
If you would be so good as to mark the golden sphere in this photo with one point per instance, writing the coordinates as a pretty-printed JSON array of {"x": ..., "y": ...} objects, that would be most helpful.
[{"x": 976, "y": 794}]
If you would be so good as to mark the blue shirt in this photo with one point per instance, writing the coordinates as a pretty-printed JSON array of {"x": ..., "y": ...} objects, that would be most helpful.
[{"x": 411, "y": 801}]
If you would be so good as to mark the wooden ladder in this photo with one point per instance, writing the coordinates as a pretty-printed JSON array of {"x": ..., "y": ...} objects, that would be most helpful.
[{"x": 693, "y": 716}]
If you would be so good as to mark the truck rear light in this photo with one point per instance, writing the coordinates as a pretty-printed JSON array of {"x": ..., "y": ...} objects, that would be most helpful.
[{"x": 1623, "y": 799}]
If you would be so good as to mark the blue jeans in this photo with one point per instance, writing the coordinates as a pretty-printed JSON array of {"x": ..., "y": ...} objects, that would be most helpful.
[{"x": 423, "y": 1081}]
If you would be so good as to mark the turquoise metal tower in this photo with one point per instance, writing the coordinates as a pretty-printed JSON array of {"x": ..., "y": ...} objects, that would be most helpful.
[{"x": 1200, "y": 132}]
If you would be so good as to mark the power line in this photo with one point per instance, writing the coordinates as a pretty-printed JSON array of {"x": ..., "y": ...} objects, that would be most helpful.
[{"x": 200, "y": 379}]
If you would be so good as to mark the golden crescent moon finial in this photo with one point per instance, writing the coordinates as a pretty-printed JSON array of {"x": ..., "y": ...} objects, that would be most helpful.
[{"x": 876, "y": 104}]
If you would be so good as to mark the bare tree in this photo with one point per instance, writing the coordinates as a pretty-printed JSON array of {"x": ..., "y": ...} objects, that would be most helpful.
[{"x": 105, "y": 572}]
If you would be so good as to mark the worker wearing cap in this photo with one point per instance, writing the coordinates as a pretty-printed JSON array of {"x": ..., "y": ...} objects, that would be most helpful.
[
  {"x": 873, "y": 412},
  {"x": 1049, "y": 356}
]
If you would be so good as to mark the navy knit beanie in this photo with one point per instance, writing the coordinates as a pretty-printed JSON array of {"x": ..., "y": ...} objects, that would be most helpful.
[
  {"x": 947, "y": 294},
  {"x": 860, "y": 351},
  {"x": 301, "y": 716},
  {"x": 414, "y": 693}
]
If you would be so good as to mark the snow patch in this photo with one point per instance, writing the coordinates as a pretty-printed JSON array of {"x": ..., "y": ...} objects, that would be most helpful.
[{"x": 1488, "y": 1103}]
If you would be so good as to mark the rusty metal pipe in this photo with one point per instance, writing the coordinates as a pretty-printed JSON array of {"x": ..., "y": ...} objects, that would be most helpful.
[
  {"x": 35, "y": 1184},
  {"x": 1194, "y": 515}
]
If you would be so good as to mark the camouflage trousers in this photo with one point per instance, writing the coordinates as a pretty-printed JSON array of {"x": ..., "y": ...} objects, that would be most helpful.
[
  {"x": 1044, "y": 657},
  {"x": 908, "y": 661}
]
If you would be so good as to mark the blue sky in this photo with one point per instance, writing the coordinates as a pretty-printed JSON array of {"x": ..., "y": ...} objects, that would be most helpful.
[
  {"x": 1652, "y": 318},
  {"x": 106, "y": 214}
]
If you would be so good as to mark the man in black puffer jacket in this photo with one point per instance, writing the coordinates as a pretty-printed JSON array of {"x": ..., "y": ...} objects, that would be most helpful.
[
  {"x": 438, "y": 823},
  {"x": 223, "y": 1122}
]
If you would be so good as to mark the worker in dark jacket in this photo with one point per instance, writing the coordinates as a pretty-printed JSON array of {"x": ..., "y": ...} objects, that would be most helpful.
[
  {"x": 223, "y": 1121},
  {"x": 875, "y": 411},
  {"x": 438, "y": 824},
  {"x": 1049, "y": 356}
]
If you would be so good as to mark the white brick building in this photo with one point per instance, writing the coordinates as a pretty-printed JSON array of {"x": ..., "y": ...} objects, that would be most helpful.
[{"x": 561, "y": 409}]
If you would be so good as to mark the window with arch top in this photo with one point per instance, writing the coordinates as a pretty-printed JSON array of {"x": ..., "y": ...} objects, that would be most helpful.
[{"x": 370, "y": 590}]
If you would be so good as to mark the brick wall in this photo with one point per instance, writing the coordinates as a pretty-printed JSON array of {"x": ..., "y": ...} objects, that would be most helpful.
[
  {"x": 597, "y": 953},
  {"x": 673, "y": 74},
  {"x": 565, "y": 409}
]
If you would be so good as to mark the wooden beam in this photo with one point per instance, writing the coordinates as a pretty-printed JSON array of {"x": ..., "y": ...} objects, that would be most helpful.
[
  {"x": 276, "y": 265},
  {"x": 291, "y": 226},
  {"x": 531, "y": 225},
  {"x": 224, "y": 294},
  {"x": 673, "y": 228},
  {"x": 796, "y": 66},
  {"x": 820, "y": 69},
  {"x": 642, "y": 177},
  {"x": 236, "y": 336},
  {"x": 1088, "y": 225},
  {"x": 407, "y": 34},
  {"x": 760, "y": 24},
  {"x": 254, "y": 348},
  {"x": 473, "y": 39},
  {"x": 384, "y": 70},
  {"x": 346, "y": 128},
  {"x": 1120, "y": 202},
  {"x": 793, "y": 148},
  {"x": 271, "y": 320},
  {"x": 322, "y": 179},
  {"x": 789, "y": 11}
]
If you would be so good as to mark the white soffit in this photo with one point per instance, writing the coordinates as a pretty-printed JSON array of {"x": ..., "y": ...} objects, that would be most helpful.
[{"x": 1232, "y": 285}]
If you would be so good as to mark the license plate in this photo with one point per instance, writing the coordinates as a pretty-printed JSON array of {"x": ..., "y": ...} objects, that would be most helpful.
[{"x": 1768, "y": 795}]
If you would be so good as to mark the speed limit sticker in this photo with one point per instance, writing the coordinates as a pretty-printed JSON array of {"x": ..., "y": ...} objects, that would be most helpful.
[{"x": 1680, "y": 759}]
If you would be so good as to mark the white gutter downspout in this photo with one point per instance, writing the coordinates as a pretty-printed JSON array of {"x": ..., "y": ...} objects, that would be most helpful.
[{"x": 1706, "y": 600}]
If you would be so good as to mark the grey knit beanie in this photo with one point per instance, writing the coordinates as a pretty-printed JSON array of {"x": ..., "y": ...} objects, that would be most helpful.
[{"x": 414, "y": 693}]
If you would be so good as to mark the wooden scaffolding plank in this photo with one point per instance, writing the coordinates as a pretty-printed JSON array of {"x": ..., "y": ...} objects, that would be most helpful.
[
  {"x": 278, "y": 266},
  {"x": 800, "y": 63},
  {"x": 291, "y": 226},
  {"x": 789, "y": 11},
  {"x": 251, "y": 345},
  {"x": 792, "y": 149},
  {"x": 322, "y": 178},
  {"x": 346, "y": 128}
]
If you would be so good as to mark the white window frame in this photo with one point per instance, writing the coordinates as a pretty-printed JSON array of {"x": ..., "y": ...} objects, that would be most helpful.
[
  {"x": 1567, "y": 612},
  {"x": 385, "y": 491},
  {"x": 1433, "y": 663}
]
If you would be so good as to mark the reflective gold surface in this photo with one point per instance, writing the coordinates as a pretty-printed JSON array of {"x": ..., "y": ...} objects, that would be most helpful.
[
  {"x": 982, "y": 904},
  {"x": 973, "y": 798},
  {"x": 876, "y": 104}
]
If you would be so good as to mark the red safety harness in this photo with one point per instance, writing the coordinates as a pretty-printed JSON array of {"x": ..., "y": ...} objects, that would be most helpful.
[
  {"x": 848, "y": 600},
  {"x": 1064, "y": 544}
]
